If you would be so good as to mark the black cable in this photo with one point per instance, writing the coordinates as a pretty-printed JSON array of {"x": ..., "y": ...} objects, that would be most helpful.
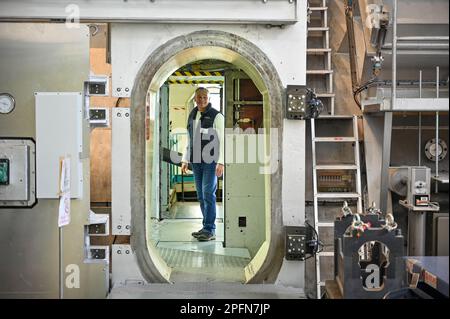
[
  {"x": 356, "y": 100},
  {"x": 315, "y": 105},
  {"x": 363, "y": 87},
  {"x": 317, "y": 241}
]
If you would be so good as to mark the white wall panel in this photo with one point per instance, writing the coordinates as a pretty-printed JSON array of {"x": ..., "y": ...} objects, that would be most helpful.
[{"x": 58, "y": 134}]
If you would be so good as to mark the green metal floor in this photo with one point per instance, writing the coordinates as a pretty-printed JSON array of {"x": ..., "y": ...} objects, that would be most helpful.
[{"x": 191, "y": 260}]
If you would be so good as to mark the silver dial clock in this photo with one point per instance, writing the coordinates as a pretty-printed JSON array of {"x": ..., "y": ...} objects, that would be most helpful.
[{"x": 7, "y": 103}]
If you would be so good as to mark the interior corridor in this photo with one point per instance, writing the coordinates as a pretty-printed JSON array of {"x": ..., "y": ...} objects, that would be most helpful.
[{"x": 191, "y": 260}]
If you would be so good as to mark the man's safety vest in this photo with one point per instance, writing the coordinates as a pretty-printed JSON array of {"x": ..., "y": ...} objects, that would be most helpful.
[{"x": 204, "y": 142}]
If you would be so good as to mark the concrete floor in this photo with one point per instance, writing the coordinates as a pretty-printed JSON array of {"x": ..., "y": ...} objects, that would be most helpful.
[{"x": 205, "y": 291}]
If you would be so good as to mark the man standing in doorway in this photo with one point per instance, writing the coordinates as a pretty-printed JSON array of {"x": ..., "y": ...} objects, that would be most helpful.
[{"x": 205, "y": 150}]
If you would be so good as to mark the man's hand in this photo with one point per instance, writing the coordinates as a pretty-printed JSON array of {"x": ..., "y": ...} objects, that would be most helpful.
[
  {"x": 184, "y": 167},
  {"x": 219, "y": 170}
]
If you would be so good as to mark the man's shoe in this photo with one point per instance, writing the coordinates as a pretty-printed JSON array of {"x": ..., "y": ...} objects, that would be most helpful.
[
  {"x": 206, "y": 236},
  {"x": 198, "y": 233}
]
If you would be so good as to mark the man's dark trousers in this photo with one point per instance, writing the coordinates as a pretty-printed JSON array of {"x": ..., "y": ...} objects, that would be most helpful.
[{"x": 206, "y": 184}]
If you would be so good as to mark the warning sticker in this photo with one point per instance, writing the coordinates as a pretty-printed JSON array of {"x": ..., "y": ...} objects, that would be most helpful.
[{"x": 430, "y": 279}]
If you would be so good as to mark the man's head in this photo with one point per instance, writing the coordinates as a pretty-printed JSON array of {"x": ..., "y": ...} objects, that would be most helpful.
[{"x": 201, "y": 98}]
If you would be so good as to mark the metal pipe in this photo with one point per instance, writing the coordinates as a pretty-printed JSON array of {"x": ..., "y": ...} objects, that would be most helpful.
[
  {"x": 415, "y": 127},
  {"x": 386, "y": 150},
  {"x": 61, "y": 262},
  {"x": 437, "y": 134},
  {"x": 420, "y": 119},
  {"x": 412, "y": 82},
  {"x": 419, "y": 45},
  {"x": 423, "y": 38},
  {"x": 394, "y": 55},
  {"x": 385, "y": 161},
  {"x": 349, "y": 20}
]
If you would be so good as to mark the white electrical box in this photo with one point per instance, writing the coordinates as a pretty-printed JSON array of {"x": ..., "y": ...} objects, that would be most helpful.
[
  {"x": 58, "y": 134},
  {"x": 419, "y": 180}
]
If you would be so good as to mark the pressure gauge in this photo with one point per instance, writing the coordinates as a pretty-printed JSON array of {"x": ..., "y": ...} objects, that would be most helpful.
[{"x": 7, "y": 103}]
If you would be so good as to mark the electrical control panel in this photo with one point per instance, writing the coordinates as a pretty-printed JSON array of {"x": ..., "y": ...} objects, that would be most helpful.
[
  {"x": 17, "y": 173},
  {"x": 295, "y": 243},
  {"x": 419, "y": 179},
  {"x": 296, "y": 103},
  {"x": 336, "y": 181},
  {"x": 4, "y": 171}
]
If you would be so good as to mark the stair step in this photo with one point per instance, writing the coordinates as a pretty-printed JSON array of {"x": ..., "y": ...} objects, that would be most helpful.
[
  {"x": 326, "y": 254},
  {"x": 319, "y": 71},
  {"x": 335, "y": 139},
  {"x": 316, "y": 17},
  {"x": 338, "y": 195},
  {"x": 316, "y": 29},
  {"x": 337, "y": 167},
  {"x": 317, "y": 51},
  {"x": 325, "y": 94},
  {"x": 318, "y": 8},
  {"x": 335, "y": 117},
  {"x": 325, "y": 224}
]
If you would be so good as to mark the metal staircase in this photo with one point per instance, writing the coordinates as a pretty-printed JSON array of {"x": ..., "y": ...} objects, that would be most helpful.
[
  {"x": 334, "y": 196},
  {"x": 319, "y": 46}
]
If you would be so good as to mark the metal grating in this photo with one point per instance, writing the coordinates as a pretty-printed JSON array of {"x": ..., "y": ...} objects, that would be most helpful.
[{"x": 177, "y": 258}]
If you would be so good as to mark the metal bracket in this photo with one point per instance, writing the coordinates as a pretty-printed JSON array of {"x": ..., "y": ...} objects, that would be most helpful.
[
  {"x": 99, "y": 117},
  {"x": 98, "y": 85},
  {"x": 98, "y": 224},
  {"x": 430, "y": 208},
  {"x": 295, "y": 102},
  {"x": 295, "y": 242},
  {"x": 97, "y": 254}
]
